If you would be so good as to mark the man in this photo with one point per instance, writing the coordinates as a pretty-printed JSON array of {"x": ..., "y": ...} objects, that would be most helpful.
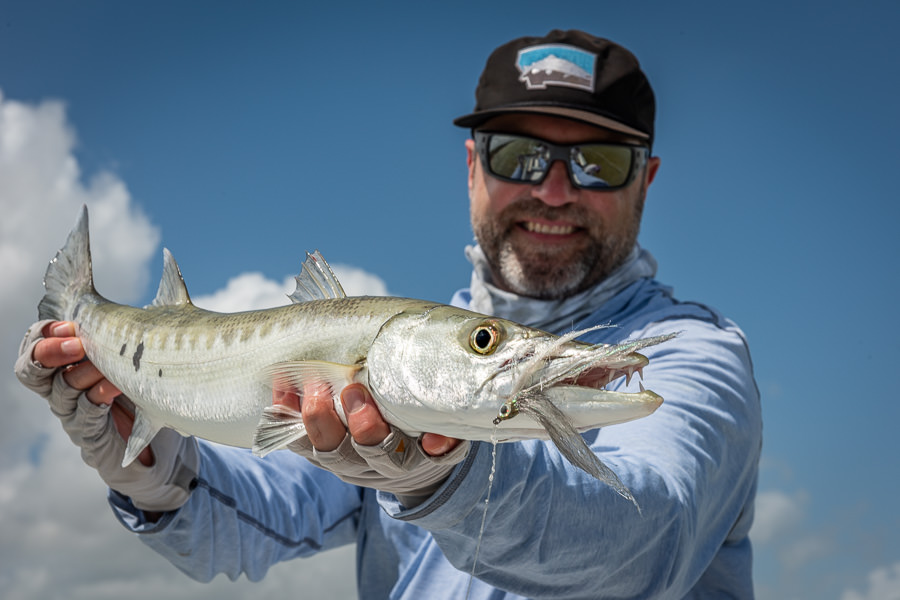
[{"x": 559, "y": 165}]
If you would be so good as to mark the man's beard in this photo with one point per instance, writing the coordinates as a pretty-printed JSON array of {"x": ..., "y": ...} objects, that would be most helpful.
[{"x": 553, "y": 272}]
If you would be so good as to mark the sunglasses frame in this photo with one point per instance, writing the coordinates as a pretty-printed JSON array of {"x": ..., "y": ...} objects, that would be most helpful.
[{"x": 562, "y": 152}]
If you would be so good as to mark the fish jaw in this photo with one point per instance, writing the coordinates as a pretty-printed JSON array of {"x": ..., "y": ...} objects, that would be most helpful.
[
  {"x": 586, "y": 408},
  {"x": 590, "y": 408}
]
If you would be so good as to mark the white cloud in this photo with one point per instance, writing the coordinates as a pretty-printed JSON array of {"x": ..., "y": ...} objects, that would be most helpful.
[
  {"x": 42, "y": 192},
  {"x": 804, "y": 550},
  {"x": 779, "y": 527},
  {"x": 59, "y": 540},
  {"x": 248, "y": 291},
  {"x": 884, "y": 584},
  {"x": 777, "y": 513},
  {"x": 251, "y": 291},
  {"x": 357, "y": 282}
]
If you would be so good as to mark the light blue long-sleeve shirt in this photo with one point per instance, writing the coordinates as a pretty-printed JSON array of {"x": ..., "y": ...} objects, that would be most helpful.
[{"x": 551, "y": 530}]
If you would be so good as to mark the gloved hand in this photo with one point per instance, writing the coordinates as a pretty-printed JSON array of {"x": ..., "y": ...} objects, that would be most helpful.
[
  {"x": 397, "y": 463},
  {"x": 160, "y": 480}
]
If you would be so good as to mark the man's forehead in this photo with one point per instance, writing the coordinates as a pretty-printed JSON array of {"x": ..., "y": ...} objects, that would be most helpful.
[{"x": 554, "y": 129}]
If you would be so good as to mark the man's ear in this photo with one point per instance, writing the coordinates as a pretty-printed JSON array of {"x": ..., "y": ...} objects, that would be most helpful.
[
  {"x": 471, "y": 159},
  {"x": 652, "y": 168}
]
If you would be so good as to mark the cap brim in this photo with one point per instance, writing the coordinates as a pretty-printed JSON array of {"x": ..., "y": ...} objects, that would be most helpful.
[{"x": 477, "y": 118}]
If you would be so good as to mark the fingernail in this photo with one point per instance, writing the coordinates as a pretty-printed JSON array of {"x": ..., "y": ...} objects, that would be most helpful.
[
  {"x": 62, "y": 330},
  {"x": 441, "y": 449},
  {"x": 71, "y": 347},
  {"x": 354, "y": 400}
]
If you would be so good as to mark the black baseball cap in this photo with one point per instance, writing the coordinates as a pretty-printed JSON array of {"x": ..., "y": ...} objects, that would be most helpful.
[{"x": 569, "y": 74}]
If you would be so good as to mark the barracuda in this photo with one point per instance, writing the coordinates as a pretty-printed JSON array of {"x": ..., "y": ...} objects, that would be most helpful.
[{"x": 429, "y": 366}]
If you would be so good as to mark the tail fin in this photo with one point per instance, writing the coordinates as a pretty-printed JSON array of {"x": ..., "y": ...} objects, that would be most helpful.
[{"x": 69, "y": 275}]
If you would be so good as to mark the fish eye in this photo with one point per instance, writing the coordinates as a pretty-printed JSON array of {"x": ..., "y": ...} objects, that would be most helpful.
[{"x": 485, "y": 338}]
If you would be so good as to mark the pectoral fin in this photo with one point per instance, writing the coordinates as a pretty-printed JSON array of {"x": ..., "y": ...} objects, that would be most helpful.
[
  {"x": 281, "y": 425},
  {"x": 278, "y": 427},
  {"x": 295, "y": 375}
]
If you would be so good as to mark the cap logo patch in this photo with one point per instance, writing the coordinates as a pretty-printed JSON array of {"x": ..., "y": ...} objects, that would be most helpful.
[{"x": 556, "y": 64}]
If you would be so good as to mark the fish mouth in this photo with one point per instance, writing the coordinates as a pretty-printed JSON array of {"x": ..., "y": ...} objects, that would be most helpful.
[
  {"x": 599, "y": 377},
  {"x": 586, "y": 401},
  {"x": 595, "y": 376},
  {"x": 573, "y": 377}
]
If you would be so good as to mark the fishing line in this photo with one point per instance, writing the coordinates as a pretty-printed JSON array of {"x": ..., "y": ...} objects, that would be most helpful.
[{"x": 487, "y": 500}]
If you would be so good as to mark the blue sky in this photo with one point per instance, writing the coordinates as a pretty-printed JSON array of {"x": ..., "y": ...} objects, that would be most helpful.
[{"x": 241, "y": 135}]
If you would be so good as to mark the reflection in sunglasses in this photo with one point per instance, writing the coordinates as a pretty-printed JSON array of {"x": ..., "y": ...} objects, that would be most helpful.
[{"x": 523, "y": 159}]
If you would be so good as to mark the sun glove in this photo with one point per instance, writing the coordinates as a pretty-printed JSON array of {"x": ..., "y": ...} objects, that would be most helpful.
[
  {"x": 163, "y": 486},
  {"x": 397, "y": 465}
]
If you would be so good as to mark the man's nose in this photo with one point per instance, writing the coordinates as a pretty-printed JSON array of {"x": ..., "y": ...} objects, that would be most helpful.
[{"x": 556, "y": 189}]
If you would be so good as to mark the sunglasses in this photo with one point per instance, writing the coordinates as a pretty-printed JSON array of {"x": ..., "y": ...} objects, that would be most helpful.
[{"x": 592, "y": 166}]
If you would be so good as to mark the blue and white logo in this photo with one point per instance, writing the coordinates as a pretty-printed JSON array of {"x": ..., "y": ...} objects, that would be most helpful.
[{"x": 555, "y": 64}]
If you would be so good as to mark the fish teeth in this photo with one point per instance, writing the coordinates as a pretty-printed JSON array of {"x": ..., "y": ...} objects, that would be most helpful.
[{"x": 628, "y": 373}]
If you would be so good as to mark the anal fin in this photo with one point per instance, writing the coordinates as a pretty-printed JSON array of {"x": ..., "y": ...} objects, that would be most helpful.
[{"x": 142, "y": 433}]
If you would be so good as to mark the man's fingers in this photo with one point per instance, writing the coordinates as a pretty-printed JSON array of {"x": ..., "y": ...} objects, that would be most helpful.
[
  {"x": 323, "y": 425},
  {"x": 82, "y": 376},
  {"x": 60, "y": 329},
  {"x": 286, "y": 398},
  {"x": 364, "y": 421},
  {"x": 103, "y": 392},
  {"x": 369, "y": 428},
  {"x": 438, "y": 445},
  {"x": 85, "y": 376},
  {"x": 58, "y": 351}
]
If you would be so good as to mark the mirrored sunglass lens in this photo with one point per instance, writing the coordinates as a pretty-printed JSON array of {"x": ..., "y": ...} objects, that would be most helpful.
[
  {"x": 516, "y": 158},
  {"x": 600, "y": 165}
]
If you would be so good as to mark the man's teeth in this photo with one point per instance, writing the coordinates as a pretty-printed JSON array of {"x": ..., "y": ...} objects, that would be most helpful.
[{"x": 549, "y": 229}]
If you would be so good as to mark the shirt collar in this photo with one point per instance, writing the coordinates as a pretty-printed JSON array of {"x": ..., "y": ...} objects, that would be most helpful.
[{"x": 552, "y": 315}]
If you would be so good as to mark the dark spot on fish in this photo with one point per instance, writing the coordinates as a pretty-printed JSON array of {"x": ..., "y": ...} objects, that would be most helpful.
[
  {"x": 160, "y": 372},
  {"x": 76, "y": 311},
  {"x": 136, "y": 359},
  {"x": 122, "y": 351}
]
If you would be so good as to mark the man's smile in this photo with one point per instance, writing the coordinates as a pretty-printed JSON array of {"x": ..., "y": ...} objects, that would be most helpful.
[{"x": 548, "y": 228}]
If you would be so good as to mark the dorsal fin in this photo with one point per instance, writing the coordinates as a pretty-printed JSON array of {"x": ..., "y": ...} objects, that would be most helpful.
[
  {"x": 316, "y": 281},
  {"x": 172, "y": 291}
]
